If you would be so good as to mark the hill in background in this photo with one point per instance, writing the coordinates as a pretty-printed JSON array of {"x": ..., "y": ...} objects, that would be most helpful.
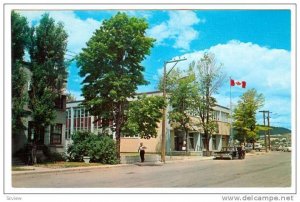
[{"x": 277, "y": 131}]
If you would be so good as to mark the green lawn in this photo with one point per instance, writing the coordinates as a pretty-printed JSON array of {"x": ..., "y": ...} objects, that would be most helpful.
[
  {"x": 18, "y": 168},
  {"x": 56, "y": 165},
  {"x": 64, "y": 164}
]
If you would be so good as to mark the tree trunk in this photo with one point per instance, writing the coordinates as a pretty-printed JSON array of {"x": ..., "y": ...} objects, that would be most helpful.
[
  {"x": 118, "y": 122},
  {"x": 118, "y": 143},
  {"x": 186, "y": 140},
  {"x": 207, "y": 152}
]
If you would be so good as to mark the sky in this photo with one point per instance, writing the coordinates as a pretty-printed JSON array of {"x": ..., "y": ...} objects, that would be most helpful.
[{"x": 252, "y": 46}]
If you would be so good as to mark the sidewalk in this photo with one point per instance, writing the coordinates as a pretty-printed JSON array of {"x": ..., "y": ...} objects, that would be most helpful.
[
  {"x": 169, "y": 160},
  {"x": 172, "y": 159}
]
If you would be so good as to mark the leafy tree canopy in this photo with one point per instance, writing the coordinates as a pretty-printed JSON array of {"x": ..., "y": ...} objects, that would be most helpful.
[
  {"x": 209, "y": 77},
  {"x": 19, "y": 36},
  {"x": 111, "y": 62},
  {"x": 111, "y": 67},
  {"x": 143, "y": 116},
  {"x": 19, "y": 41},
  {"x": 182, "y": 90},
  {"x": 47, "y": 48},
  {"x": 245, "y": 116}
]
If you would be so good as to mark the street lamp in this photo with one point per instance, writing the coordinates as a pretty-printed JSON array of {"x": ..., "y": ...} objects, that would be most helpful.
[{"x": 163, "y": 133}]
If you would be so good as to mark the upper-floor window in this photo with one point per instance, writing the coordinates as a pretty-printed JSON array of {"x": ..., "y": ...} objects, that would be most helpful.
[
  {"x": 215, "y": 115},
  {"x": 56, "y": 133}
]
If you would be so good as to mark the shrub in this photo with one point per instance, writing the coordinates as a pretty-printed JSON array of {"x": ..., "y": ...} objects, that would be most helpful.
[
  {"x": 21, "y": 154},
  {"x": 103, "y": 150},
  {"x": 79, "y": 147},
  {"x": 100, "y": 148},
  {"x": 55, "y": 156},
  {"x": 50, "y": 156}
]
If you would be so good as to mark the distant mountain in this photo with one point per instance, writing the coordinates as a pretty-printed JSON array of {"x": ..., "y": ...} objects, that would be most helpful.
[{"x": 277, "y": 131}]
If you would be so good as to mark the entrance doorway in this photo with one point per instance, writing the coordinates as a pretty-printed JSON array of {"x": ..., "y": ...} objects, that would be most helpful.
[
  {"x": 179, "y": 141},
  {"x": 37, "y": 138}
]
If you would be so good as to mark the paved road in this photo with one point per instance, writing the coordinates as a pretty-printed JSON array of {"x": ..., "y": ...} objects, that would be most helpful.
[{"x": 269, "y": 170}]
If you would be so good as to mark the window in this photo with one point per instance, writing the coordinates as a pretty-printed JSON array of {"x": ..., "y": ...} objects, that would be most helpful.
[
  {"x": 179, "y": 140},
  {"x": 68, "y": 124},
  {"x": 33, "y": 136},
  {"x": 56, "y": 133},
  {"x": 191, "y": 142},
  {"x": 215, "y": 115},
  {"x": 224, "y": 117},
  {"x": 214, "y": 142},
  {"x": 126, "y": 135}
]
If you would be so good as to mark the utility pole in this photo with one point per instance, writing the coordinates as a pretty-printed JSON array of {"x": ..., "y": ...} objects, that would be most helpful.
[
  {"x": 264, "y": 117},
  {"x": 163, "y": 132},
  {"x": 269, "y": 130}
]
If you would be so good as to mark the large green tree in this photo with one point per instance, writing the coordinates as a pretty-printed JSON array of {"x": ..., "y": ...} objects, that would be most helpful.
[
  {"x": 244, "y": 116},
  {"x": 19, "y": 42},
  {"x": 209, "y": 77},
  {"x": 111, "y": 67},
  {"x": 143, "y": 116},
  {"x": 181, "y": 92},
  {"x": 48, "y": 45}
]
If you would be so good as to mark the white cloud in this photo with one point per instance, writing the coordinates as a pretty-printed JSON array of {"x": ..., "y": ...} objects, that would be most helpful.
[
  {"x": 267, "y": 70},
  {"x": 139, "y": 13},
  {"x": 79, "y": 31},
  {"x": 262, "y": 68},
  {"x": 179, "y": 28}
]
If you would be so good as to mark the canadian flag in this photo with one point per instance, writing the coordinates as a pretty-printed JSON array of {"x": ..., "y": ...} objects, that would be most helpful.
[{"x": 238, "y": 83}]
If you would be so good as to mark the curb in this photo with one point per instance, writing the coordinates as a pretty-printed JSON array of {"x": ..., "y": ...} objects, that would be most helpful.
[
  {"x": 58, "y": 170},
  {"x": 191, "y": 159},
  {"x": 159, "y": 163},
  {"x": 64, "y": 169}
]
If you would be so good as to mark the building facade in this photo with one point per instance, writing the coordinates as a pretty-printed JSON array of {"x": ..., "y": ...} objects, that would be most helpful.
[
  {"x": 195, "y": 142},
  {"x": 79, "y": 119},
  {"x": 52, "y": 136}
]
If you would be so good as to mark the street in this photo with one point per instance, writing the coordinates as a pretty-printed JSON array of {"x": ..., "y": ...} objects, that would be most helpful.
[{"x": 265, "y": 170}]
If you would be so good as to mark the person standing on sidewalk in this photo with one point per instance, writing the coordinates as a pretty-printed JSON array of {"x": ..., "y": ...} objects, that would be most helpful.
[{"x": 142, "y": 152}]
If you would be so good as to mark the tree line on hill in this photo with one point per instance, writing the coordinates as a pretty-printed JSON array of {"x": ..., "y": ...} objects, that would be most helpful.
[{"x": 276, "y": 131}]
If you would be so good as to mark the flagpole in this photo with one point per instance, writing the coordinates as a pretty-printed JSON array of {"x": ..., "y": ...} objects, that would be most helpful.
[{"x": 230, "y": 106}]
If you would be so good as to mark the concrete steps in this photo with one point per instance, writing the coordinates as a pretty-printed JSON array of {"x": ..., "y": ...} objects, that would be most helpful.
[{"x": 149, "y": 158}]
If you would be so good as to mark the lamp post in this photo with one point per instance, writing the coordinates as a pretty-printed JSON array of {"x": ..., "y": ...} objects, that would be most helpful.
[{"x": 163, "y": 133}]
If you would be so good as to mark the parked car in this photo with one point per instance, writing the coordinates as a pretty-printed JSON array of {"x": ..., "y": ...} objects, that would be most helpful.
[
  {"x": 257, "y": 147},
  {"x": 280, "y": 148},
  {"x": 248, "y": 147},
  {"x": 230, "y": 153},
  {"x": 287, "y": 149},
  {"x": 276, "y": 148}
]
